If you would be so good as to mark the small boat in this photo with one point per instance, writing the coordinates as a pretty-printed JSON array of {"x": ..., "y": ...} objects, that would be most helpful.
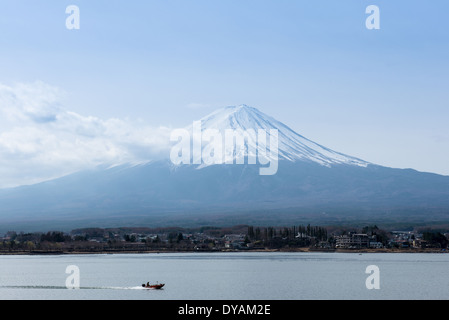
[{"x": 153, "y": 286}]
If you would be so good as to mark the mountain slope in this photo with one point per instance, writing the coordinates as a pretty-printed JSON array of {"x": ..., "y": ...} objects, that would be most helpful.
[
  {"x": 312, "y": 183},
  {"x": 158, "y": 193},
  {"x": 292, "y": 146}
]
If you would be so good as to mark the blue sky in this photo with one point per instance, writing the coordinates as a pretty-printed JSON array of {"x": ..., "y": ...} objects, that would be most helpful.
[{"x": 380, "y": 95}]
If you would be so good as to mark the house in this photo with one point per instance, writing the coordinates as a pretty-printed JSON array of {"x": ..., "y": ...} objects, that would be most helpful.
[
  {"x": 324, "y": 245},
  {"x": 376, "y": 245},
  {"x": 234, "y": 244},
  {"x": 352, "y": 240}
]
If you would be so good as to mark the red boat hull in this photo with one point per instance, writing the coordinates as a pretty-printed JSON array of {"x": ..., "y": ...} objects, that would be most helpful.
[{"x": 155, "y": 286}]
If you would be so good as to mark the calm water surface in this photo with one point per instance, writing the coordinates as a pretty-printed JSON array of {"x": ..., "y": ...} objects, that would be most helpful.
[{"x": 227, "y": 276}]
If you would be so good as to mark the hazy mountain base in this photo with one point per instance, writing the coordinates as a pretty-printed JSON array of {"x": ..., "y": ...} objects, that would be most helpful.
[
  {"x": 159, "y": 194},
  {"x": 285, "y": 217}
]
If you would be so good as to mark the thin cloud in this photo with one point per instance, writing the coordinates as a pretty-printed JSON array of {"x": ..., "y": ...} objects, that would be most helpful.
[{"x": 40, "y": 140}]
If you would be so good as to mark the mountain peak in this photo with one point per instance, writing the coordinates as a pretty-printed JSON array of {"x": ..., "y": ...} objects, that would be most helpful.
[
  {"x": 241, "y": 117},
  {"x": 240, "y": 107},
  {"x": 243, "y": 108},
  {"x": 291, "y": 145}
]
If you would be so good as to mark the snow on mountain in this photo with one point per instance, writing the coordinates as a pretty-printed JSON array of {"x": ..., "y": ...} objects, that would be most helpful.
[
  {"x": 309, "y": 186},
  {"x": 291, "y": 146}
]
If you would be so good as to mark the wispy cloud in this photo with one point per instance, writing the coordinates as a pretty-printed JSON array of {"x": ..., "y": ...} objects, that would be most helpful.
[{"x": 40, "y": 140}]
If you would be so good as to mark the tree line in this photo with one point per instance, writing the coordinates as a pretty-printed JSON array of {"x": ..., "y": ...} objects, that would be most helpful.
[
  {"x": 295, "y": 232},
  {"x": 295, "y": 236}
]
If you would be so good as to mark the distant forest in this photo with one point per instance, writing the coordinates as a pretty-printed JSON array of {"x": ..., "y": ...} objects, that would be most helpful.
[{"x": 208, "y": 238}]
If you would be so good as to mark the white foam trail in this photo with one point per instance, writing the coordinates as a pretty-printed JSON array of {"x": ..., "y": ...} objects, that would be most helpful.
[
  {"x": 125, "y": 288},
  {"x": 81, "y": 288}
]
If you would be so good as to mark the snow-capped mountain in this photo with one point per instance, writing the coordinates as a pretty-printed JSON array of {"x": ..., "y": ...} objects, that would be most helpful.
[
  {"x": 291, "y": 145},
  {"x": 312, "y": 184}
]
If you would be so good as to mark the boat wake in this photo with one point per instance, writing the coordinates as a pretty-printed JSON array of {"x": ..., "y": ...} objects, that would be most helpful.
[
  {"x": 65, "y": 288},
  {"x": 125, "y": 288}
]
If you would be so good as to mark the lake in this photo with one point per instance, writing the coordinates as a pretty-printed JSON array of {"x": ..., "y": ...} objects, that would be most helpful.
[{"x": 227, "y": 276}]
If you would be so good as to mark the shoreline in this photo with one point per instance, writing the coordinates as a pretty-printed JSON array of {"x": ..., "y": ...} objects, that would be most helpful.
[{"x": 285, "y": 250}]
